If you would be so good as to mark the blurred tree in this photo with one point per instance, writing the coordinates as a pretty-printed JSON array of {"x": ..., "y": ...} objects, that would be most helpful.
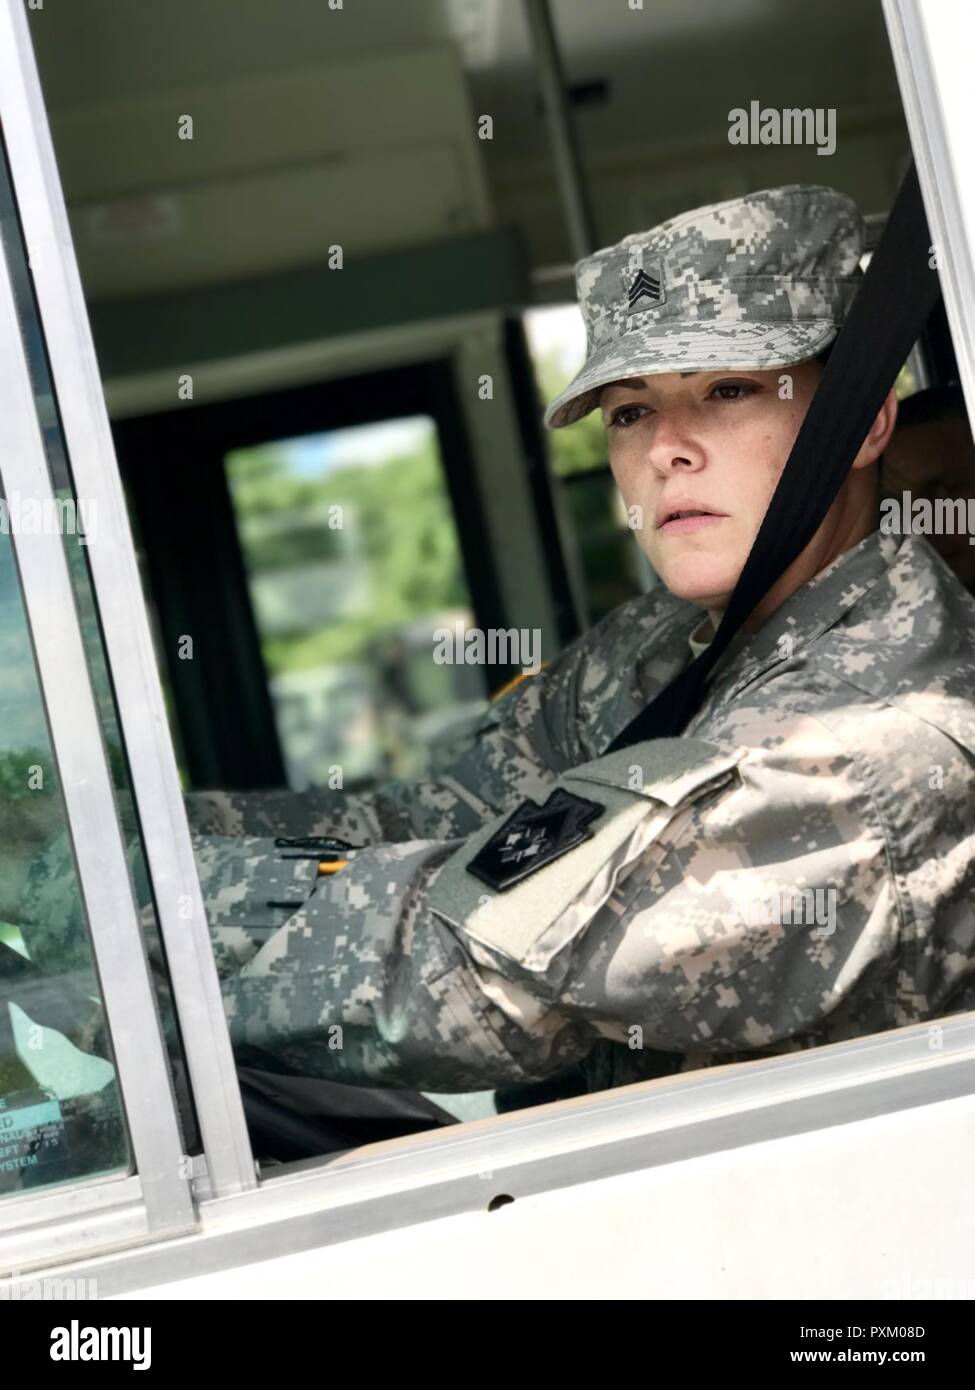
[{"x": 405, "y": 533}]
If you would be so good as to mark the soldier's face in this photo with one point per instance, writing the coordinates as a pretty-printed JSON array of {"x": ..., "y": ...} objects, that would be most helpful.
[{"x": 712, "y": 443}]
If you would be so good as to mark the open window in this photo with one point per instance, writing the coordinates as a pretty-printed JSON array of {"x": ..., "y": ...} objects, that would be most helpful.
[
  {"x": 88, "y": 1095},
  {"x": 119, "y": 1094}
]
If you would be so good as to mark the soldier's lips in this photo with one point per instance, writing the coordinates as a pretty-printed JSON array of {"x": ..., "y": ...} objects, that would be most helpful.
[{"x": 680, "y": 525}]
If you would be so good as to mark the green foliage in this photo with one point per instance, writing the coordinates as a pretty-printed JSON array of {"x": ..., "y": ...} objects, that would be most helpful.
[
  {"x": 399, "y": 526},
  {"x": 15, "y": 766},
  {"x": 296, "y": 546},
  {"x": 579, "y": 447}
]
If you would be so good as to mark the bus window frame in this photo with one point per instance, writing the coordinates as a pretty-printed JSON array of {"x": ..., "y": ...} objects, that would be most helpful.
[
  {"x": 164, "y": 1174},
  {"x": 200, "y": 436},
  {"x": 572, "y": 1141},
  {"x": 925, "y": 52},
  {"x": 81, "y": 758}
]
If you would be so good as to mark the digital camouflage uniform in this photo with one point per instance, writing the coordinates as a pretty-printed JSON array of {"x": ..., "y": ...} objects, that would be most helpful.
[
  {"x": 834, "y": 750},
  {"x": 757, "y": 282},
  {"x": 666, "y": 926}
]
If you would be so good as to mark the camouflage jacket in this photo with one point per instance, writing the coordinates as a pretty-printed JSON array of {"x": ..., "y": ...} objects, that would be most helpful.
[{"x": 796, "y": 869}]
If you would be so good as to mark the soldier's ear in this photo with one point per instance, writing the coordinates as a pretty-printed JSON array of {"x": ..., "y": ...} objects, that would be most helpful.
[{"x": 880, "y": 431}]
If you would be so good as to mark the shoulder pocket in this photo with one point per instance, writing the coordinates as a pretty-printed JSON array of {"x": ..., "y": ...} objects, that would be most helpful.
[{"x": 528, "y": 928}]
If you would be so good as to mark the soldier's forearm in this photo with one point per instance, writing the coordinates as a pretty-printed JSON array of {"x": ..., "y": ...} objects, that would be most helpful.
[
  {"x": 391, "y": 814},
  {"x": 506, "y": 757},
  {"x": 281, "y": 812},
  {"x": 350, "y": 977},
  {"x": 366, "y": 984}
]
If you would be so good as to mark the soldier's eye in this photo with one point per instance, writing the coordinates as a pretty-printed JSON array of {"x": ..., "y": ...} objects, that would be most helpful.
[
  {"x": 625, "y": 415},
  {"x": 738, "y": 390}
]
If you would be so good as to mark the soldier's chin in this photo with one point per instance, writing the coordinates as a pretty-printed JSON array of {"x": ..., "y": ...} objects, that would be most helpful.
[{"x": 704, "y": 579}]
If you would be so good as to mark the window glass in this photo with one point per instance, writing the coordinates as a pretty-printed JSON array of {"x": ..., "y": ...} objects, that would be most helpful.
[
  {"x": 75, "y": 517},
  {"x": 614, "y": 567},
  {"x": 353, "y": 565},
  {"x": 60, "y": 1111}
]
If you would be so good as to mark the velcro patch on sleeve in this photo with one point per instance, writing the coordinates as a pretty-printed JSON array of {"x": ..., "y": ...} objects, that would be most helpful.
[
  {"x": 526, "y": 904},
  {"x": 534, "y": 836}
]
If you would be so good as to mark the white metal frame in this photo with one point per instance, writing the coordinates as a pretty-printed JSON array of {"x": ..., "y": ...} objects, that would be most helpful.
[
  {"x": 424, "y": 1178},
  {"x": 84, "y": 775},
  {"x": 77, "y": 387},
  {"x": 932, "y": 42}
]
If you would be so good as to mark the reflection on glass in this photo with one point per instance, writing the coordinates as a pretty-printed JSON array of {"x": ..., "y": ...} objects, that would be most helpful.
[
  {"x": 60, "y": 1112},
  {"x": 64, "y": 958},
  {"x": 612, "y": 563},
  {"x": 353, "y": 564}
]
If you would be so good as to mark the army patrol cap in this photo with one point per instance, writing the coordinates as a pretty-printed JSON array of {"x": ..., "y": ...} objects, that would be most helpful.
[{"x": 754, "y": 283}]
